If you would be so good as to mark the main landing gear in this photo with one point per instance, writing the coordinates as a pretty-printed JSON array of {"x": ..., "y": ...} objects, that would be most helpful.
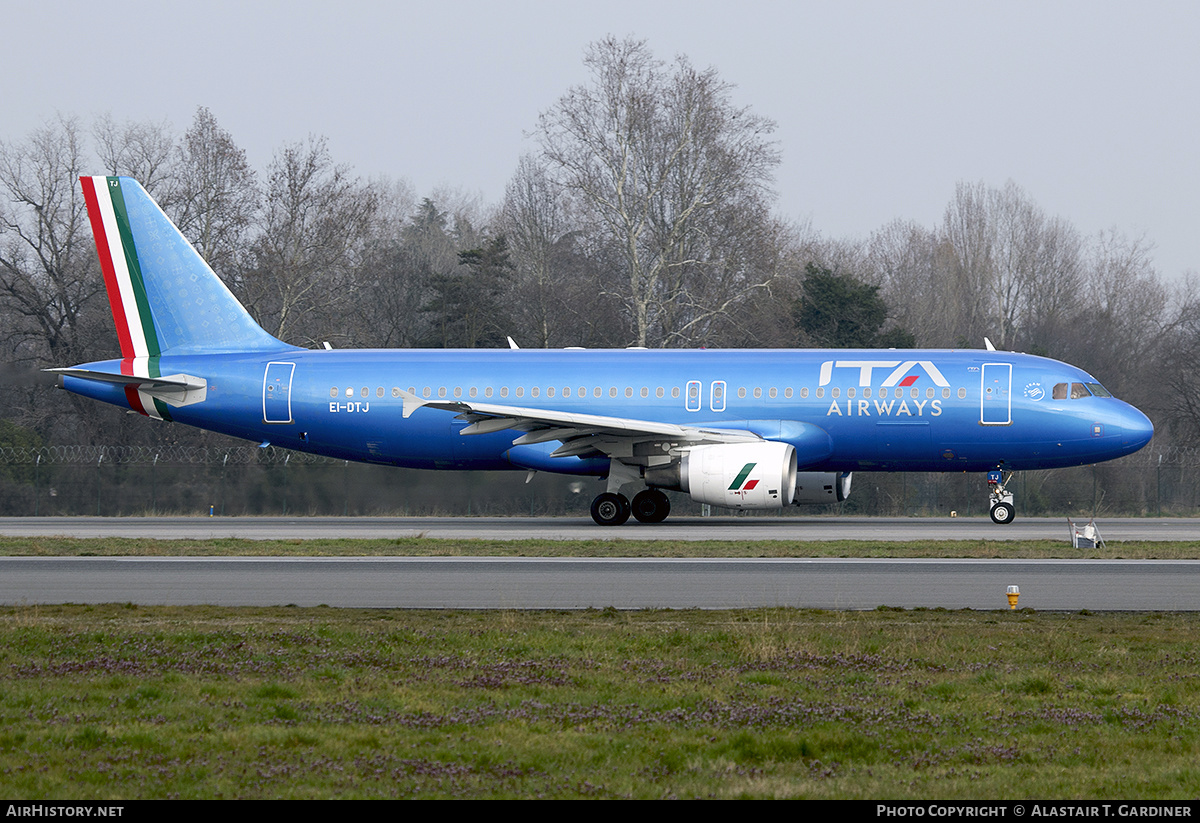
[
  {"x": 610, "y": 509},
  {"x": 1000, "y": 499},
  {"x": 613, "y": 508}
]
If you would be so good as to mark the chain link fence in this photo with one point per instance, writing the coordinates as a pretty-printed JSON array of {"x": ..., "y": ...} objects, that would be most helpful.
[
  {"x": 249, "y": 480},
  {"x": 128, "y": 455}
]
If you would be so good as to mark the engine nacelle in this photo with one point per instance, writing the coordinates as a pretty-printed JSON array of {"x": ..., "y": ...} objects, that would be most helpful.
[
  {"x": 734, "y": 475},
  {"x": 822, "y": 487}
]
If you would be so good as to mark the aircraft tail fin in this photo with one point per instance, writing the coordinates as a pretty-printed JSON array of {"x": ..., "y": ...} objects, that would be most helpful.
[{"x": 164, "y": 297}]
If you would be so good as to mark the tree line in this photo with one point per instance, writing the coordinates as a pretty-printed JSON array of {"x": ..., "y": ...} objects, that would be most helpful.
[{"x": 645, "y": 216}]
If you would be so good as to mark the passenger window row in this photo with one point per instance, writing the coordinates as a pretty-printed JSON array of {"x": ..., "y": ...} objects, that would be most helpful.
[{"x": 567, "y": 391}]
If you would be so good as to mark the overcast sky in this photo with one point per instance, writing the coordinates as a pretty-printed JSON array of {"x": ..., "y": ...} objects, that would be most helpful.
[{"x": 1092, "y": 107}]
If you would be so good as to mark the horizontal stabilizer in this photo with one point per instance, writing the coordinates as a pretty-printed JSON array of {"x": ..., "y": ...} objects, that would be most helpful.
[{"x": 173, "y": 389}]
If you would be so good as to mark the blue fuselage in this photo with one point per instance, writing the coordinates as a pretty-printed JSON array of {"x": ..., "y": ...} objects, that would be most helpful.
[{"x": 883, "y": 410}]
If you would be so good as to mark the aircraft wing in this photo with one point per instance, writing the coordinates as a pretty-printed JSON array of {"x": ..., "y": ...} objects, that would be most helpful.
[{"x": 581, "y": 434}]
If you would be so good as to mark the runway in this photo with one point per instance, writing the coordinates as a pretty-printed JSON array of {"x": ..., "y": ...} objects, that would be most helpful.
[
  {"x": 575, "y": 583},
  {"x": 747, "y": 528},
  {"x": 600, "y": 582}
]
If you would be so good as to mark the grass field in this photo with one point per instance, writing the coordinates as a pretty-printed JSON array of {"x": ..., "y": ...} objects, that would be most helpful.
[{"x": 119, "y": 702}]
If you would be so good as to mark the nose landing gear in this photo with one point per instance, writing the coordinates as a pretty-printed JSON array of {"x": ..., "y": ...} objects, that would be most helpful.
[{"x": 999, "y": 498}]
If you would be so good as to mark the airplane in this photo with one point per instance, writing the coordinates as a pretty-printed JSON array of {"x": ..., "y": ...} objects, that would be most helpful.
[{"x": 740, "y": 429}]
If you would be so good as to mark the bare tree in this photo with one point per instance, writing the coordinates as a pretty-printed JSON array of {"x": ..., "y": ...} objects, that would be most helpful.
[
  {"x": 143, "y": 151},
  {"x": 998, "y": 267},
  {"x": 216, "y": 197},
  {"x": 1118, "y": 329},
  {"x": 48, "y": 279},
  {"x": 911, "y": 264},
  {"x": 1177, "y": 378},
  {"x": 316, "y": 224},
  {"x": 665, "y": 170},
  {"x": 553, "y": 293}
]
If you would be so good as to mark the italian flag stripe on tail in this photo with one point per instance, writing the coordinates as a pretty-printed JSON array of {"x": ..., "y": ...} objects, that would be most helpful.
[{"x": 119, "y": 261}]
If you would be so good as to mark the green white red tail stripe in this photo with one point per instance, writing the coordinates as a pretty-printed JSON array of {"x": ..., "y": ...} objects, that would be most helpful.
[
  {"x": 119, "y": 261},
  {"x": 126, "y": 288}
]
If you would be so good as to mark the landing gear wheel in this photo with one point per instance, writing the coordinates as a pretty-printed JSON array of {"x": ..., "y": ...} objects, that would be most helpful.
[
  {"x": 610, "y": 509},
  {"x": 1003, "y": 513},
  {"x": 651, "y": 506}
]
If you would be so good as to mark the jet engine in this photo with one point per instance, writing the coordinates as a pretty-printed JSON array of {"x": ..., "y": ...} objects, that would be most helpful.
[
  {"x": 734, "y": 475},
  {"x": 822, "y": 487}
]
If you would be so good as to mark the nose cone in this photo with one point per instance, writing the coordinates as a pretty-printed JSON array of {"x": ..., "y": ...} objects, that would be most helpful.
[{"x": 1136, "y": 430}]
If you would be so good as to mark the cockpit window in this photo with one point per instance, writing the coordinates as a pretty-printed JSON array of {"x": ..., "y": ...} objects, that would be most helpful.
[{"x": 1074, "y": 391}]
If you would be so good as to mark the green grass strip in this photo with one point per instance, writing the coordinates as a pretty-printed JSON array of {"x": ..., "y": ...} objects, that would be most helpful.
[
  {"x": 429, "y": 547},
  {"x": 118, "y": 702}
]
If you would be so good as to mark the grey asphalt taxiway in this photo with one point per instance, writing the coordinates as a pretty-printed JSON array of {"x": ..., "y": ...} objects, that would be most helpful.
[
  {"x": 626, "y": 583},
  {"x": 747, "y": 528},
  {"x": 598, "y": 582}
]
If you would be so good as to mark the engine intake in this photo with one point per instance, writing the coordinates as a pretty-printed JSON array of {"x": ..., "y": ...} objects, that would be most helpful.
[{"x": 734, "y": 475}]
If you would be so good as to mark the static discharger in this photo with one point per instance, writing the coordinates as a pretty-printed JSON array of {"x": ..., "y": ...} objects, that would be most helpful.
[{"x": 1013, "y": 593}]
